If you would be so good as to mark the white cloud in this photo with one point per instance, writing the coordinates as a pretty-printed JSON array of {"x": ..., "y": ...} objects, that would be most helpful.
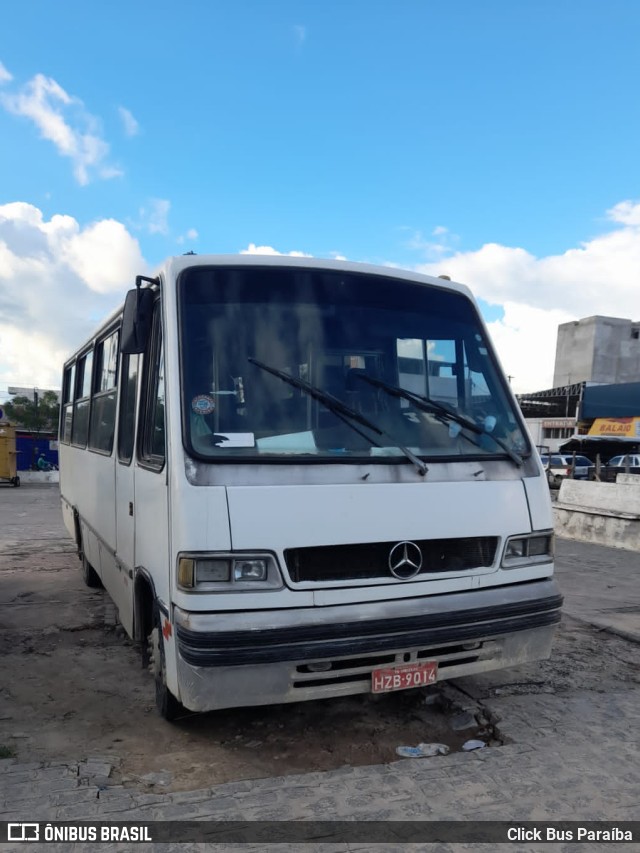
[
  {"x": 154, "y": 218},
  {"x": 58, "y": 280},
  {"x": 190, "y": 235},
  {"x": 63, "y": 120},
  {"x": 626, "y": 212},
  {"x": 598, "y": 277},
  {"x": 5, "y": 76},
  {"x": 252, "y": 249},
  {"x": 439, "y": 243},
  {"x": 99, "y": 254},
  {"x": 129, "y": 123},
  {"x": 525, "y": 339}
]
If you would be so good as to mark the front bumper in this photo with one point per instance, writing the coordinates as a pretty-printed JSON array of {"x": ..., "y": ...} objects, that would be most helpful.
[{"x": 237, "y": 659}]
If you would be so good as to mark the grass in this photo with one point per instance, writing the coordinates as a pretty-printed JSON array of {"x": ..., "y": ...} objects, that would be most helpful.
[{"x": 6, "y": 751}]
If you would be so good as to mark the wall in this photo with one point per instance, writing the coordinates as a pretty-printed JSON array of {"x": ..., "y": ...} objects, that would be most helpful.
[
  {"x": 602, "y": 513},
  {"x": 597, "y": 349},
  {"x": 539, "y": 433},
  {"x": 574, "y": 352},
  {"x": 30, "y": 446}
]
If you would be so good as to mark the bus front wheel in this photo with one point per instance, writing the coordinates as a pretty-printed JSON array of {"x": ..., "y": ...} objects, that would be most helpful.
[{"x": 168, "y": 706}]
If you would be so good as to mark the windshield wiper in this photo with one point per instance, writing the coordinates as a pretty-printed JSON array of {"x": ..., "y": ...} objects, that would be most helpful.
[
  {"x": 342, "y": 411},
  {"x": 442, "y": 412}
]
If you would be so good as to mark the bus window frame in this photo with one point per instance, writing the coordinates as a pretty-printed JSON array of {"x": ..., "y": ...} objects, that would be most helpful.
[
  {"x": 125, "y": 361},
  {"x": 68, "y": 389},
  {"x": 87, "y": 398},
  {"x": 148, "y": 396},
  {"x": 97, "y": 394}
]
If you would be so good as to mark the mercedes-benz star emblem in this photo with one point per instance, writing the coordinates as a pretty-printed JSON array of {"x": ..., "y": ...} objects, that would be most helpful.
[{"x": 405, "y": 560}]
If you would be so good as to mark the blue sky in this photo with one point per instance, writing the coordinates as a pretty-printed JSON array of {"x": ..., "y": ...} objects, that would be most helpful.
[{"x": 495, "y": 141}]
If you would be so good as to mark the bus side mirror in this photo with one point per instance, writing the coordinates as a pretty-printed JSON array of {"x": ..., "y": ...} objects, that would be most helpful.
[{"x": 136, "y": 320}]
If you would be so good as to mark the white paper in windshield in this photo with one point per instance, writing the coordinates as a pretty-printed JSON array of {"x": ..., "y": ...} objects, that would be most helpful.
[
  {"x": 293, "y": 441},
  {"x": 233, "y": 439}
]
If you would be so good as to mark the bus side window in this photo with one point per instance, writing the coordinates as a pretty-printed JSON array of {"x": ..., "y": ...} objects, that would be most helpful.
[
  {"x": 152, "y": 414},
  {"x": 82, "y": 400},
  {"x": 103, "y": 406},
  {"x": 66, "y": 410},
  {"x": 127, "y": 417}
]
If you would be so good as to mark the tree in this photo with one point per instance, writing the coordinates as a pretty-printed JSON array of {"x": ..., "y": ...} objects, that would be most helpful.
[{"x": 38, "y": 415}]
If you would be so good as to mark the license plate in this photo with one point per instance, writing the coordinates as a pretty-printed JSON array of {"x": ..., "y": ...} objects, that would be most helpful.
[{"x": 403, "y": 677}]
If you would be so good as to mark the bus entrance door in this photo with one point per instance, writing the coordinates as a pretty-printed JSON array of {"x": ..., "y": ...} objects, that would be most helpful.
[{"x": 125, "y": 493}]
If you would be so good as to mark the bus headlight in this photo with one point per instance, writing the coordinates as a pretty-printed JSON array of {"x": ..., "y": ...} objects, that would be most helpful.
[
  {"x": 228, "y": 572},
  {"x": 210, "y": 571},
  {"x": 249, "y": 570},
  {"x": 527, "y": 550}
]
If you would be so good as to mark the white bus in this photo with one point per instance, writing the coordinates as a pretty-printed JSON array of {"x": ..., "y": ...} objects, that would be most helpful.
[{"x": 300, "y": 478}]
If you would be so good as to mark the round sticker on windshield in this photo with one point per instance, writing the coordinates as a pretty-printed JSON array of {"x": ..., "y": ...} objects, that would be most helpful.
[{"x": 203, "y": 404}]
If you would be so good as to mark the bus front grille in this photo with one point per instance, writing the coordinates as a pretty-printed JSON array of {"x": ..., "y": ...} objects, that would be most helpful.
[
  {"x": 348, "y": 670},
  {"x": 371, "y": 559}
]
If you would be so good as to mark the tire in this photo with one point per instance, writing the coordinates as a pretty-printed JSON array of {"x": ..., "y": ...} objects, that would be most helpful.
[
  {"x": 15, "y": 482},
  {"x": 167, "y": 705},
  {"x": 89, "y": 574}
]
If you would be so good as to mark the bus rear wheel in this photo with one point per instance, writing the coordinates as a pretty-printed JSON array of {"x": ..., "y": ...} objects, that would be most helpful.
[{"x": 168, "y": 706}]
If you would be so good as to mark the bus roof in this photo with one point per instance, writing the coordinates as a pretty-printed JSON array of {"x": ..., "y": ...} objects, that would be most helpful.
[{"x": 176, "y": 264}]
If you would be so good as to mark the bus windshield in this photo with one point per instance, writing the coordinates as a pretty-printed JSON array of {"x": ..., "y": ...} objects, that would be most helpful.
[{"x": 291, "y": 363}]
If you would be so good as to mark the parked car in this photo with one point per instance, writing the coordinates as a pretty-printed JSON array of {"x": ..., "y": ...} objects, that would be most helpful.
[
  {"x": 626, "y": 463},
  {"x": 621, "y": 461},
  {"x": 560, "y": 466}
]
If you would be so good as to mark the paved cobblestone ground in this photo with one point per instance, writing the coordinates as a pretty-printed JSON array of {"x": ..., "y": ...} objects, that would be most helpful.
[{"x": 571, "y": 755}]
